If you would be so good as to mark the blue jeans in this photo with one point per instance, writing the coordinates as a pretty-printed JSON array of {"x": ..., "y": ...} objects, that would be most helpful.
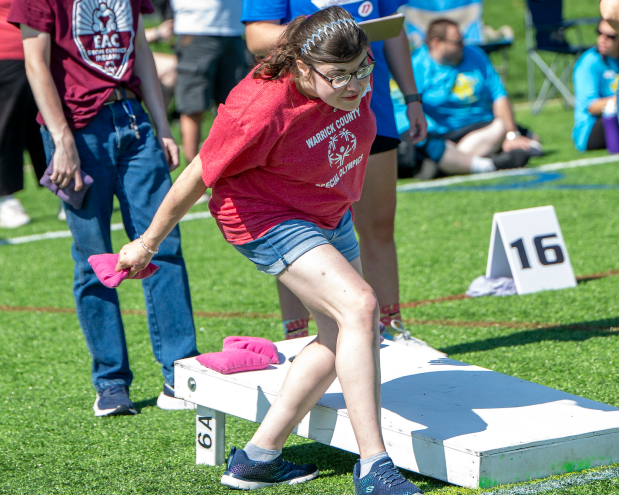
[{"x": 135, "y": 170}]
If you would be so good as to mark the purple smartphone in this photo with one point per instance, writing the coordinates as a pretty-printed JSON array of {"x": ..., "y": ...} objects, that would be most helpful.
[{"x": 68, "y": 194}]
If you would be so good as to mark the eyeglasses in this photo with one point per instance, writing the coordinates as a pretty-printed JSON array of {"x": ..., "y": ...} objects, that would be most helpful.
[
  {"x": 459, "y": 42},
  {"x": 340, "y": 81},
  {"x": 612, "y": 37}
]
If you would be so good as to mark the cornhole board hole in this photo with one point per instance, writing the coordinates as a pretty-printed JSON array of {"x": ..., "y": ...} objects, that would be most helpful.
[{"x": 442, "y": 418}]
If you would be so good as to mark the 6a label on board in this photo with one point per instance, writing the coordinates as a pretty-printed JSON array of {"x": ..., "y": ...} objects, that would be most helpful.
[{"x": 528, "y": 245}]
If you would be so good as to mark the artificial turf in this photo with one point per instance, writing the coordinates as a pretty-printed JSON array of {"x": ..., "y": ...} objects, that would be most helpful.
[{"x": 50, "y": 441}]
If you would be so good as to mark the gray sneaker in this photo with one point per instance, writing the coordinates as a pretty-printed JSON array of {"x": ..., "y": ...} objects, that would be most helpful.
[{"x": 397, "y": 332}]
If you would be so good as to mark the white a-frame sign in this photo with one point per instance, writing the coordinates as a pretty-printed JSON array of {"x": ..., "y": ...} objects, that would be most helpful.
[{"x": 528, "y": 245}]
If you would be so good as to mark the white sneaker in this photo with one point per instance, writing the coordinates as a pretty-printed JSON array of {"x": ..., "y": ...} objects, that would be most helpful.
[
  {"x": 12, "y": 214},
  {"x": 62, "y": 214},
  {"x": 168, "y": 402}
]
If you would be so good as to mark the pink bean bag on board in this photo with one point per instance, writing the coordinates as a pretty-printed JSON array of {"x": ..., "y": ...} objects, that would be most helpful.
[
  {"x": 241, "y": 354},
  {"x": 233, "y": 361},
  {"x": 255, "y": 344},
  {"x": 104, "y": 266}
]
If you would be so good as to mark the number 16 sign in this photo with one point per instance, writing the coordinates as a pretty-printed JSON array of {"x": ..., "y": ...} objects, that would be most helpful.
[{"x": 528, "y": 246}]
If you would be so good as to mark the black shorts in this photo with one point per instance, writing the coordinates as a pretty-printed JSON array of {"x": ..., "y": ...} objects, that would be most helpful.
[
  {"x": 457, "y": 135},
  {"x": 383, "y": 143},
  {"x": 208, "y": 68},
  {"x": 411, "y": 157},
  {"x": 18, "y": 128},
  {"x": 597, "y": 138}
]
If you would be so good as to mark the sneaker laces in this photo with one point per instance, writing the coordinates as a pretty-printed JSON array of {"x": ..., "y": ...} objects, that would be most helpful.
[
  {"x": 390, "y": 475},
  {"x": 404, "y": 334},
  {"x": 115, "y": 389},
  {"x": 399, "y": 327}
]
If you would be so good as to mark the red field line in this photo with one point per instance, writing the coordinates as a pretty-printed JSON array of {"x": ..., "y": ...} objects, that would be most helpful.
[
  {"x": 411, "y": 304},
  {"x": 141, "y": 312},
  {"x": 445, "y": 323},
  {"x": 414, "y": 304}
]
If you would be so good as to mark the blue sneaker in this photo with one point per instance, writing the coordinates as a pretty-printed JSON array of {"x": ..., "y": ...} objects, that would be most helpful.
[
  {"x": 114, "y": 401},
  {"x": 383, "y": 479},
  {"x": 245, "y": 474}
]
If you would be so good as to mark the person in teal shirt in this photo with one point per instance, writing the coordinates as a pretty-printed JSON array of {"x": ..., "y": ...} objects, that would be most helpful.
[
  {"x": 456, "y": 96},
  {"x": 471, "y": 126},
  {"x": 595, "y": 84}
]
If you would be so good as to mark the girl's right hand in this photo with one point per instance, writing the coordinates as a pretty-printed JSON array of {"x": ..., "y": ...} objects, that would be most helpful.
[{"x": 133, "y": 256}]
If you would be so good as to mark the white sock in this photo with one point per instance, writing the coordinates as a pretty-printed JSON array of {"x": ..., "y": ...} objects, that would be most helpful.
[
  {"x": 255, "y": 453},
  {"x": 480, "y": 164},
  {"x": 366, "y": 464},
  {"x": 4, "y": 198}
]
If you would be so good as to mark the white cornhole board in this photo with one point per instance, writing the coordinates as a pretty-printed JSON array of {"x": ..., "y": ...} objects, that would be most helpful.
[
  {"x": 528, "y": 245},
  {"x": 442, "y": 418}
]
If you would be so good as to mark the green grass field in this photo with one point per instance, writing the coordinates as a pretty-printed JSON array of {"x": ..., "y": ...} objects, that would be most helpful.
[{"x": 50, "y": 441}]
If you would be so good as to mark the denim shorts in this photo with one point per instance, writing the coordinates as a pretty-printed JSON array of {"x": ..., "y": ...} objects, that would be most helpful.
[{"x": 289, "y": 240}]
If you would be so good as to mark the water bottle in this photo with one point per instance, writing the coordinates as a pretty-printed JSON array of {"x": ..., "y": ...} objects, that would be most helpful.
[{"x": 611, "y": 126}]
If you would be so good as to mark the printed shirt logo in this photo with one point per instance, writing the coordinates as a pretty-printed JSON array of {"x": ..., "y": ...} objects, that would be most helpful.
[
  {"x": 337, "y": 154},
  {"x": 613, "y": 83},
  {"x": 103, "y": 33},
  {"x": 464, "y": 88},
  {"x": 342, "y": 144}
]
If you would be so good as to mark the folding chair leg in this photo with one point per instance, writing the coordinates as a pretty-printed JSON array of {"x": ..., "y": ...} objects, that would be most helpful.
[
  {"x": 531, "y": 76},
  {"x": 504, "y": 66},
  {"x": 551, "y": 78},
  {"x": 547, "y": 91}
]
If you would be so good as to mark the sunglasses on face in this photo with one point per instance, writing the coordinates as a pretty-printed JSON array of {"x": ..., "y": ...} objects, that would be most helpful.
[
  {"x": 343, "y": 80},
  {"x": 609, "y": 36}
]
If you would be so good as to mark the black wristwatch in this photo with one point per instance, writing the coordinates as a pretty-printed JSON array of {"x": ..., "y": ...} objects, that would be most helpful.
[{"x": 411, "y": 98}]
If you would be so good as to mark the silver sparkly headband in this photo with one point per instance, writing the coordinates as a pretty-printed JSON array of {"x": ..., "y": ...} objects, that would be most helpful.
[{"x": 341, "y": 23}]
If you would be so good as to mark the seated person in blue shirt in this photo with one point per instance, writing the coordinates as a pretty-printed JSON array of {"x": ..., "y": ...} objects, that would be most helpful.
[
  {"x": 471, "y": 126},
  {"x": 595, "y": 84}
]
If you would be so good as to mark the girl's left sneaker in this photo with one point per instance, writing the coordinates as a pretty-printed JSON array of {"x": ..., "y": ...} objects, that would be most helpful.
[
  {"x": 383, "y": 479},
  {"x": 245, "y": 474}
]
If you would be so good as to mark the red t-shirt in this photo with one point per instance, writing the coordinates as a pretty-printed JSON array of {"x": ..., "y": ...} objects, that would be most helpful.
[
  {"x": 11, "y": 47},
  {"x": 92, "y": 50},
  {"x": 274, "y": 155}
]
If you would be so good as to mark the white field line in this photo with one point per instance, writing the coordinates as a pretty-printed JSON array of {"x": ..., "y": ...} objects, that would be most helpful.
[
  {"x": 567, "y": 482},
  {"x": 66, "y": 233},
  {"x": 448, "y": 181},
  {"x": 585, "y": 162}
]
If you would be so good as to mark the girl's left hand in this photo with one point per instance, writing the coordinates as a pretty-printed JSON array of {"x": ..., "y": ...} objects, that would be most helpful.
[
  {"x": 133, "y": 256},
  {"x": 417, "y": 119}
]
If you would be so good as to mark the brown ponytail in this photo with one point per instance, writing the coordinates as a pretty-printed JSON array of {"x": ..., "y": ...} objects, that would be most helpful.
[{"x": 328, "y": 36}]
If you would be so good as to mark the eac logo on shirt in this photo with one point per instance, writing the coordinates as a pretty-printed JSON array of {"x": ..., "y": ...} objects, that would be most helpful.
[{"x": 103, "y": 33}]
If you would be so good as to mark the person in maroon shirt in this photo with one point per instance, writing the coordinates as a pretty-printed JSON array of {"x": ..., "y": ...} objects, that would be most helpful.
[
  {"x": 18, "y": 128},
  {"x": 300, "y": 130},
  {"x": 89, "y": 66}
]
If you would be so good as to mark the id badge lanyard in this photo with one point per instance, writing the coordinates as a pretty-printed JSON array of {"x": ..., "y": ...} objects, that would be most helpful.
[{"x": 129, "y": 111}]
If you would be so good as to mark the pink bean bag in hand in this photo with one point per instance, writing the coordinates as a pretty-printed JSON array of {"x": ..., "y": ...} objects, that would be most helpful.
[
  {"x": 258, "y": 345},
  {"x": 104, "y": 266}
]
